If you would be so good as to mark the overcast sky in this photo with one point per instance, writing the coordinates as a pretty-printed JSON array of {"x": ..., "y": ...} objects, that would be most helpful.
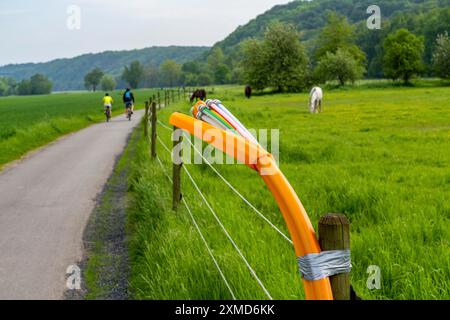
[{"x": 37, "y": 30}]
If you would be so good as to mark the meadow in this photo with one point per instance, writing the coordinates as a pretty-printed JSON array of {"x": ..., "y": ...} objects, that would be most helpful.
[
  {"x": 29, "y": 122},
  {"x": 379, "y": 155}
]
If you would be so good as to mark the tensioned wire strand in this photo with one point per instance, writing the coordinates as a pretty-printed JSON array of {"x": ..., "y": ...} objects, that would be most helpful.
[
  {"x": 223, "y": 228},
  {"x": 222, "y": 275},
  {"x": 231, "y": 187},
  {"x": 240, "y": 195},
  {"x": 164, "y": 126},
  {"x": 228, "y": 235}
]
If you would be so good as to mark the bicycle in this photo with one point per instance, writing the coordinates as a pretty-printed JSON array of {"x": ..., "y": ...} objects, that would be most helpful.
[
  {"x": 129, "y": 111},
  {"x": 108, "y": 114}
]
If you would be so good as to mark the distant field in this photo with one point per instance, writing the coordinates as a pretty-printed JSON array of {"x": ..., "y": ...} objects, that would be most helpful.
[
  {"x": 29, "y": 122},
  {"x": 381, "y": 156}
]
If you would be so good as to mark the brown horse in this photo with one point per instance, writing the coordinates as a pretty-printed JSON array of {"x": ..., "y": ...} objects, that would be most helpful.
[
  {"x": 248, "y": 91},
  {"x": 198, "y": 94}
]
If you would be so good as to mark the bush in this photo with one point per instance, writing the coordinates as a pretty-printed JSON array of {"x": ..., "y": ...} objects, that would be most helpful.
[
  {"x": 341, "y": 66},
  {"x": 40, "y": 84},
  {"x": 108, "y": 83},
  {"x": 37, "y": 84}
]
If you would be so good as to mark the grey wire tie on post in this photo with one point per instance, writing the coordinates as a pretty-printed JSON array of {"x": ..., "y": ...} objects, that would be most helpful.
[{"x": 318, "y": 266}]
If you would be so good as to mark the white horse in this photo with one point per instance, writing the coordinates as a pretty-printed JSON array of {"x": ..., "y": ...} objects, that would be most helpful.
[{"x": 315, "y": 101}]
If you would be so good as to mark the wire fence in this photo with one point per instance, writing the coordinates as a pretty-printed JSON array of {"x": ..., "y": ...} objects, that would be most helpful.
[
  {"x": 228, "y": 184},
  {"x": 329, "y": 239},
  {"x": 222, "y": 275},
  {"x": 214, "y": 214}
]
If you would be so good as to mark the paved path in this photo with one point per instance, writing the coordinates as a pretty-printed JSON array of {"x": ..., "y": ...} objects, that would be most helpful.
[{"x": 45, "y": 203}]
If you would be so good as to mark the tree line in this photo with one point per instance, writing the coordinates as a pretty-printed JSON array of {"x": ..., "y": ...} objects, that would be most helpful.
[
  {"x": 168, "y": 74},
  {"x": 293, "y": 55},
  {"x": 37, "y": 84},
  {"x": 281, "y": 62}
]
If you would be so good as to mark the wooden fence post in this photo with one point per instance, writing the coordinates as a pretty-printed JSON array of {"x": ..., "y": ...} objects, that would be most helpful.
[
  {"x": 177, "y": 196},
  {"x": 146, "y": 119},
  {"x": 159, "y": 100},
  {"x": 153, "y": 119},
  {"x": 334, "y": 234}
]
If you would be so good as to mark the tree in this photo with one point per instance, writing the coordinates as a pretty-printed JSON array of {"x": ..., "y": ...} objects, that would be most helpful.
[
  {"x": 37, "y": 84},
  {"x": 441, "y": 56},
  {"x": 133, "y": 74},
  {"x": 221, "y": 71},
  {"x": 12, "y": 85},
  {"x": 170, "y": 72},
  {"x": 24, "y": 87},
  {"x": 151, "y": 77},
  {"x": 40, "y": 84},
  {"x": 7, "y": 86},
  {"x": 93, "y": 78},
  {"x": 341, "y": 66},
  {"x": 222, "y": 74},
  {"x": 279, "y": 61},
  {"x": 108, "y": 83},
  {"x": 216, "y": 57},
  {"x": 191, "y": 67},
  {"x": 403, "y": 53},
  {"x": 190, "y": 72},
  {"x": 336, "y": 34},
  {"x": 255, "y": 69},
  {"x": 286, "y": 56},
  {"x": 204, "y": 79},
  {"x": 190, "y": 79},
  {"x": 4, "y": 88}
]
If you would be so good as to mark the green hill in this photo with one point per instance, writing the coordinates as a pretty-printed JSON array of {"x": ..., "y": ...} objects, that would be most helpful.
[
  {"x": 427, "y": 18},
  {"x": 68, "y": 74}
]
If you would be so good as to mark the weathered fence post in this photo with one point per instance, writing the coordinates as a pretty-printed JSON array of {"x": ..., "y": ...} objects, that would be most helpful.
[
  {"x": 159, "y": 100},
  {"x": 146, "y": 119},
  {"x": 153, "y": 119},
  {"x": 177, "y": 139},
  {"x": 334, "y": 234}
]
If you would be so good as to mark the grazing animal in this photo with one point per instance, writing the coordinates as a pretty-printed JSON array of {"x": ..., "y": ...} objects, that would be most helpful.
[
  {"x": 315, "y": 101},
  {"x": 248, "y": 92},
  {"x": 198, "y": 94}
]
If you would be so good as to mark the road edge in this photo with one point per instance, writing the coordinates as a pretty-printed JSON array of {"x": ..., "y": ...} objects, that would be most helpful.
[{"x": 105, "y": 266}]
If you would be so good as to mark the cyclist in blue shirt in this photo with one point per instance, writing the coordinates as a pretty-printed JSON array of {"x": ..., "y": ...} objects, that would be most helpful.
[{"x": 128, "y": 99}]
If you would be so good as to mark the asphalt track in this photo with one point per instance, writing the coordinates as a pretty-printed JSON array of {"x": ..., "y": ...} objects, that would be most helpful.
[{"x": 45, "y": 203}]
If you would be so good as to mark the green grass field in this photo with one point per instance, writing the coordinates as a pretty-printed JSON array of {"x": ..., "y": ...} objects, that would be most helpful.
[
  {"x": 380, "y": 156},
  {"x": 29, "y": 122}
]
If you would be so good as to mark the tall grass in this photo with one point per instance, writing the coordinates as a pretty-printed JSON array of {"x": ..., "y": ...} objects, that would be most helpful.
[{"x": 379, "y": 156}]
